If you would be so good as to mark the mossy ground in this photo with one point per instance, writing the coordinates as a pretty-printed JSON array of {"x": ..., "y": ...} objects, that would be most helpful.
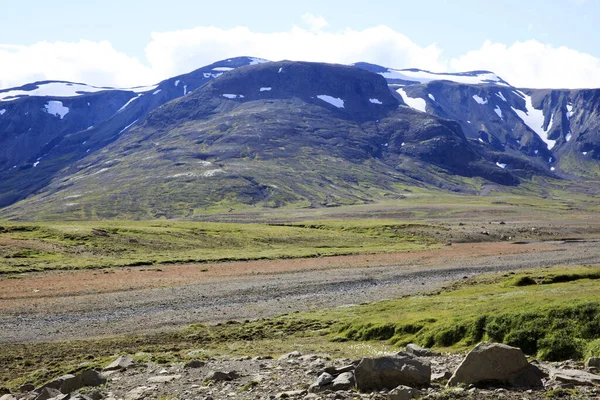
[
  {"x": 492, "y": 307},
  {"x": 78, "y": 245}
]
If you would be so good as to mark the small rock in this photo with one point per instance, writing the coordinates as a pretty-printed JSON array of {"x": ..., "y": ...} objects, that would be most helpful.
[
  {"x": 441, "y": 376},
  {"x": 290, "y": 394},
  {"x": 335, "y": 371},
  {"x": 163, "y": 378},
  {"x": 344, "y": 381},
  {"x": 120, "y": 364},
  {"x": 218, "y": 376},
  {"x": 403, "y": 393},
  {"x": 48, "y": 393},
  {"x": 194, "y": 364},
  {"x": 293, "y": 354},
  {"x": 27, "y": 387},
  {"x": 420, "y": 351},
  {"x": 324, "y": 379},
  {"x": 8, "y": 396},
  {"x": 95, "y": 395}
]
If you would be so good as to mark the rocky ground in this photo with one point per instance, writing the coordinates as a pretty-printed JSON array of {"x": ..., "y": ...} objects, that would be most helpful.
[
  {"x": 69, "y": 305},
  {"x": 309, "y": 376}
]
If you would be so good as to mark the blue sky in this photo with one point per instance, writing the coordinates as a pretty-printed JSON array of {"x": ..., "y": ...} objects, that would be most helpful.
[{"x": 450, "y": 29}]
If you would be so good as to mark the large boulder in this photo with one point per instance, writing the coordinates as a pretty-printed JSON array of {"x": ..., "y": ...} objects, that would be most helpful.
[
  {"x": 345, "y": 381},
  {"x": 497, "y": 364},
  {"x": 392, "y": 371},
  {"x": 593, "y": 362}
]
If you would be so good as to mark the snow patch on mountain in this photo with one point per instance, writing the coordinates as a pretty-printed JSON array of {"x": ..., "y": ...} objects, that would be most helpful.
[
  {"x": 432, "y": 97},
  {"x": 222, "y": 69},
  {"x": 128, "y": 126},
  {"x": 51, "y": 89},
  {"x": 265, "y": 89},
  {"x": 570, "y": 111},
  {"x": 254, "y": 61},
  {"x": 416, "y": 103},
  {"x": 157, "y": 92},
  {"x": 375, "y": 101},
  {"x": 569, "y": 137},
  {"x": 501, "y": 165},
  {"x": 177, "y": 82},
  {"x": 498, "y": 111},
  {"x": 233, "y": 96},
  {"x": 534, "y": 119},
  {"x": 480, "y": 100},
  {"x": 2, "y": 112},
  {"x": 56, "y": 108},
  {"x": 499, "y": 94},
  {"x": 469, "y": 78},
  {"x": 129, "y": 102},
  {"x": 334, "y": 101}
]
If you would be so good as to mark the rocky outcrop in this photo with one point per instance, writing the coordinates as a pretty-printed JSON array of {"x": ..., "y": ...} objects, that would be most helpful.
[{"x": 497, "y": 364}]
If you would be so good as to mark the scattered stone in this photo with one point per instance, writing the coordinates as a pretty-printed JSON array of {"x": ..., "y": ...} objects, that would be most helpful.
[
  {"x": 344, "y": 381},
  {"x": 219, "y": 376},
  {"x": 593, "y": 362},
  {"x": 163, "y": 378},
  {"x": 574, "y": 376},
  {"x": 403, "y": 393},
  {"x": 290, "y": 394},
  {"x": 420, "y": 351},
  {"x": 494, "y": 363},
  {"x": 392, "y": 371},
  {"x": 441, "y": 376},
  {"x": 138, "y": 393},
  {"x": 194, "y": 364},
  {"x": 293, "y": 354},
  {"x": 120, "y": 364}
]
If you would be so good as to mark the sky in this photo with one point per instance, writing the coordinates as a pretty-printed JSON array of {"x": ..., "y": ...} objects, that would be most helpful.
[{"x": 529, "y": 43}]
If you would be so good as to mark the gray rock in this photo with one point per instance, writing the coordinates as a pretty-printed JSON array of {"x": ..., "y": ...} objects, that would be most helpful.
[
  {"x": 441, "y": 376},
  {"x": 403, "y": 393},
  {"x": 195, "y": 364},
  {"x": 163, "y": 378},
  {"x": 120, "y": 364},
  {"x": 69, "y": 383},
  {"x": 494, "y": 363},
  {"x": 48, "y": 393},
  {"x": 392, "y": 371},
  {"x": 344, "y": 381},
  {"x": 593, "y": 362},
  {"x": 335, "y": 371},
  {"x": 8, "y": 396},
  {"x": 92, "y": 378},
  {"x": 324, "y": 379},
  {"x": 574, "y": 376},
  {"x": 420, "y": 351},
  {"x": 290, "y": 394},
  {"x": 95, "y": 395},
  {"x": 218, "y": 376},
  {"x": 293, "y": 354}
]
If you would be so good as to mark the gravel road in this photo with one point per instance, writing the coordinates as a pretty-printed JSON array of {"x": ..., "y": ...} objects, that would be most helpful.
[{"x": 261, "y": 295}]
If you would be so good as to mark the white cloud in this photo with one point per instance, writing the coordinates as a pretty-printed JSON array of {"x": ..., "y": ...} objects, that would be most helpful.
[
  {"x": 533, "y": 64},
  {"x": 315, "y": 23},
  {"x": 525, "y": 64},
  {"x": 96, "y": 63}
]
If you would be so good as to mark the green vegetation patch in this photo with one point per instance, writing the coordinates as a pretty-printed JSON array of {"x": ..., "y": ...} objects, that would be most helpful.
[{"x": 80, "y": 245}]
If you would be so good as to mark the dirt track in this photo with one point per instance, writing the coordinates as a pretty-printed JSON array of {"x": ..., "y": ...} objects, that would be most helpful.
[{"x": 66, "y": 305}]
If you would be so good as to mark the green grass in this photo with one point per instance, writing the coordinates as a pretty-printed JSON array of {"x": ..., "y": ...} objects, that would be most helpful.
[
  {"x": 534, "y": 317},
  {"x": 79, "y": 245}
]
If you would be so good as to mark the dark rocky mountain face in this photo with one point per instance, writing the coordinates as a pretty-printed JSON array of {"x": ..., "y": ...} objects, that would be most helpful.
[{"x": 245, "y": 133}]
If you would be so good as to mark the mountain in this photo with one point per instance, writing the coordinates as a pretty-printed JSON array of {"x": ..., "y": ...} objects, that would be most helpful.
[
  {"x": 274, "y": 134},
  {"x": 557, "y": 130},
  {"x": 46, "y": 126},
  {"x": 245, "y": 133}
]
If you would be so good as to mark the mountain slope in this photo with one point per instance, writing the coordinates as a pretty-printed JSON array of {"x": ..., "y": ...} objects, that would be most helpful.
[
  {"x": 46, "y": 126},
  {"x": 272, "y": 135}
]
